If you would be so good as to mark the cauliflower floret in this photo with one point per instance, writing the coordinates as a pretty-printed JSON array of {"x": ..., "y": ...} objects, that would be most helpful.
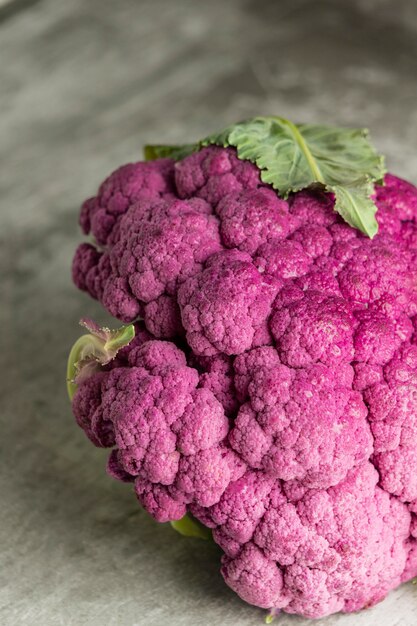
[
  {"x": 252, "y": 217},
  {"x": 159, "y": 244},
  {"x": 101, "y": 214},
  {"x": 393, "y": 417},
  {"x": 331, "y": 550},
  {"x": 224, "y": 307},
  {"x": 167, "y": 433},
  {"x": 304, "y": 424},
  {"x": 214, "y": 172}
]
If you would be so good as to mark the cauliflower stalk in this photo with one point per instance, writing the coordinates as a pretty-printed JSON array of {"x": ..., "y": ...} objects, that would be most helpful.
[{"x": 264, "y": 388}]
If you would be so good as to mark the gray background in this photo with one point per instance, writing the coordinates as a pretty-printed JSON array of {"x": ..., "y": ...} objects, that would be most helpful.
[{"x": 83, "y": 85}]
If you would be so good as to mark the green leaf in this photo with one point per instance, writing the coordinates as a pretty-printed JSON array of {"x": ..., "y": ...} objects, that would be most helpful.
[
  {"x": 188, "y": 526},
  {"x": 94, "y": 350},
  {"x": 292, "y": 157},
  {"x": 152, "y": 152},
  {"x": 356, "y": 208}
]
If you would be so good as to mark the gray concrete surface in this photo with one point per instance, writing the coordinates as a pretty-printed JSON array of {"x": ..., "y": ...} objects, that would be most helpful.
[{"x": 83, "y": 85}]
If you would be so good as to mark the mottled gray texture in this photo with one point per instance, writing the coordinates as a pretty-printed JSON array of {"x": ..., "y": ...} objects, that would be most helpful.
[{"x": 83, "y": 86}]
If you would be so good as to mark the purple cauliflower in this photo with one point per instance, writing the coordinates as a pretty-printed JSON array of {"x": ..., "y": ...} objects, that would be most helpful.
[{"x": 270, "y": 391}]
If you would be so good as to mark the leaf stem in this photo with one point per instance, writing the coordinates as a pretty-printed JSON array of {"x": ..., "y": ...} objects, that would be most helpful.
[
  {"x": 298, "y": 138},
  {"x": 85, "y": 345}
]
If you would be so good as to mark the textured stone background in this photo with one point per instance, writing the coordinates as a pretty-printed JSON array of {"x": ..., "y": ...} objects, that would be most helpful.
[{"x": 83, "y": 85}]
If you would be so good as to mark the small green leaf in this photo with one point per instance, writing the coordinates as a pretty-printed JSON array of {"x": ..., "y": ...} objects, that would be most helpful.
[
  {"x": 292, "y": 157},
  {"x": 188, "y": 526},
  {"x": 272, "y": 615},
  {"x": 94, "y": 350}
]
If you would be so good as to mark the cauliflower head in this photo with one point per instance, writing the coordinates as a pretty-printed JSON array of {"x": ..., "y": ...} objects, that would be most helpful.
[{"x": 270, "y": 389}]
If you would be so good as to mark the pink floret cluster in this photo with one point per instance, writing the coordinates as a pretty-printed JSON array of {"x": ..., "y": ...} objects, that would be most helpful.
[{"x": 271, "y": 388}]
